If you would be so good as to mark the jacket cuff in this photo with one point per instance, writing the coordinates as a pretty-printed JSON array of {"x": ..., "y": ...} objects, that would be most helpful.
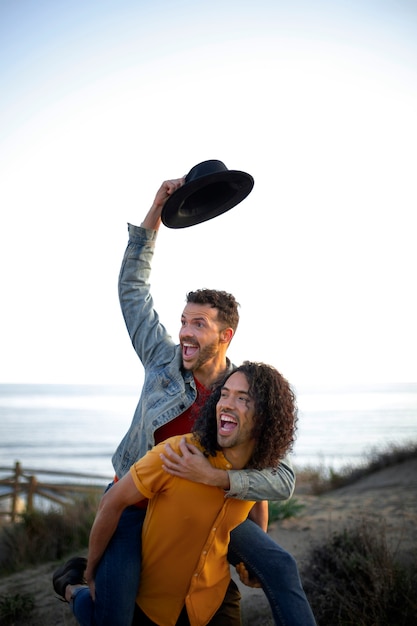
[
  {"x": 239, "y": 484},
  {"x": 138, "y": 234}
]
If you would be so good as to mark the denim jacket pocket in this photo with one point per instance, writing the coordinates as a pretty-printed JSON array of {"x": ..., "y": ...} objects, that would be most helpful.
[{"x": 159, "y": 388}]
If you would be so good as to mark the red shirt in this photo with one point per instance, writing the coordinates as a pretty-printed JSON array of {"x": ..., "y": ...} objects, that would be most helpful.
[
  {"x": 184, "y": 423},
  {"x": 180, "y": 425}
]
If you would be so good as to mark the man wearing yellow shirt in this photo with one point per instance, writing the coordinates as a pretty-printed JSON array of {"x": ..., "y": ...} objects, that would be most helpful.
[{"x": 249, "y": 421}]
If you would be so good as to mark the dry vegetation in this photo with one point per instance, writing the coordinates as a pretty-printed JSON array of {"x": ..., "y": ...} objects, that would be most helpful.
[{"x": 354, "y": 580}]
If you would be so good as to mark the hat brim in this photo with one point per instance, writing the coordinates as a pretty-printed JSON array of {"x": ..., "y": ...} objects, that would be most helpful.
[{"x": 205, "y": 198}]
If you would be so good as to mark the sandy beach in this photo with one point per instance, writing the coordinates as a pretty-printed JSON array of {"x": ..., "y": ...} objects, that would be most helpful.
[{"x": 388, "y": 495}]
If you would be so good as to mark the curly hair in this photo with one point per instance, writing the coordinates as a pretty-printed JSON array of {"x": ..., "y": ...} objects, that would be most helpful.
[
  {"x": 275, "y": 415},
  {"x": 225, "y": 303}
]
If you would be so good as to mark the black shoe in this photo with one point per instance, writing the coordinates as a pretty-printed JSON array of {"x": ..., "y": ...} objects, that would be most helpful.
[{"x": 71, "y": 573}]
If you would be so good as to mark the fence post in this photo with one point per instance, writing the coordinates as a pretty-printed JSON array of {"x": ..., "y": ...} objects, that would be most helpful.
[
  {"x": 17, "y": 474},
  {"x": 31, "y": 491}
]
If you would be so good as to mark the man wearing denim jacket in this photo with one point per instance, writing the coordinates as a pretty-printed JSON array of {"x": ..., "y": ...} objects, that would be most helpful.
[{"x": 169, "y": 389}]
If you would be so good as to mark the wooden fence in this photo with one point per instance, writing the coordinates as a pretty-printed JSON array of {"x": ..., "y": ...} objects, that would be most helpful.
[{"x": 21, "y": 491}]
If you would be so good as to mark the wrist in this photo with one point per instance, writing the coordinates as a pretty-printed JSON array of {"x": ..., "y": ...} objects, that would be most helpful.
[
  {"x": 89, "y": 575},
  {"x": 220, "y": 478},
  {"x": 153, "y": 220}
]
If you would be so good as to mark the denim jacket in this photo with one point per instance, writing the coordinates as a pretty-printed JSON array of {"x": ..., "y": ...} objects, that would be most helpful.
[{"x": 168, "y": 390}]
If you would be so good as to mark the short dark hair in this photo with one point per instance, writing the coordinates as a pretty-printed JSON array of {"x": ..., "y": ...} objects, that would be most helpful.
[
  {"x": 275, "y": 415},
  {"x": 225, "y": 303}
]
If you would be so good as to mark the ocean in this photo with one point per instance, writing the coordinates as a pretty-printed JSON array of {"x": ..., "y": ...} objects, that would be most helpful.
[{"x": 76, "y": 428}]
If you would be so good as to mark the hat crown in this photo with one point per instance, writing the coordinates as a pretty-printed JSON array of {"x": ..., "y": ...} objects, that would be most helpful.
[
  {"x": 205, "y": 169},
  {"x": 209, "y": 189}
]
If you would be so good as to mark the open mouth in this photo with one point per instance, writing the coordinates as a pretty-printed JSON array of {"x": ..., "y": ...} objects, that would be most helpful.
[
  {"x": 227, "y": 424},
  {"x": 189, "y": 350}
]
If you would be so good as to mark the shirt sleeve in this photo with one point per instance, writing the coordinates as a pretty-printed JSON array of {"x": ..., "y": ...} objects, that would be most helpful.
[
  {"x": 148, "y": 475},
  {"x": 268, "y": 484}
]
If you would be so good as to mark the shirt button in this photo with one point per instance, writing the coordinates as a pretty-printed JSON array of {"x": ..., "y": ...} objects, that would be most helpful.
[
  {"x": 204, "y": 551},
  {"x": 214, "y": 529}
]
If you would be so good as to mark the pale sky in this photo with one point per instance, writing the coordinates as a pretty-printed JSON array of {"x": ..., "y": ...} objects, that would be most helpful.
[{"x": 100, "y": 101}]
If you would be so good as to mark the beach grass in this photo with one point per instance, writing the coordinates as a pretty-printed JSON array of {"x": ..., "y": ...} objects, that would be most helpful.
[
  {"x": 16, "y": 608},
  {"x": 354, "y": 579},
  {"x": 284, "y": 509},
  {"x": 40, "y": 537}
]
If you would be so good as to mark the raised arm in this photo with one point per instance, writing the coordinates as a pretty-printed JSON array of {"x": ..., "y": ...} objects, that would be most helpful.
[{"x": 142, "y": 321}]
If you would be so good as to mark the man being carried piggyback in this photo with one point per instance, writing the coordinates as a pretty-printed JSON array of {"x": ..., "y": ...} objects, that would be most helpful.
[{"x": 178, "y": 381}]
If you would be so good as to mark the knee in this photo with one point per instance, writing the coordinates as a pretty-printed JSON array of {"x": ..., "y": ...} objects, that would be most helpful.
[
  {"x": 287, "y": 560},
  {"x": 284, "y": 567}
]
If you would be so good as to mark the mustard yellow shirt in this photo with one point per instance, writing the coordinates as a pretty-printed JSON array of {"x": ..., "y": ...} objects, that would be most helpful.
[{"x": 185, "y": 540}]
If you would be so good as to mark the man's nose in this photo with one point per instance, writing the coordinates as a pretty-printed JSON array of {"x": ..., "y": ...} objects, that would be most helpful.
[
  {"x": 228, "y": 403},
  {"x": 185, "y": 331}
]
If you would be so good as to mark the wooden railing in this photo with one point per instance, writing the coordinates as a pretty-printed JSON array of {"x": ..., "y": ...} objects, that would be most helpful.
[{"x": 20, "y": 489}]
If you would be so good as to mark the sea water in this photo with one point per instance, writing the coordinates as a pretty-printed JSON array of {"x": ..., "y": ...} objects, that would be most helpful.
[
  {"x": 347, "y": 425},
  {"x": 76, "y": 428}
]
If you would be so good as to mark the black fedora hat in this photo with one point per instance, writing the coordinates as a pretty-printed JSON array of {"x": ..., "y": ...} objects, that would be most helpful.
[{"x": 210, "y": 189}]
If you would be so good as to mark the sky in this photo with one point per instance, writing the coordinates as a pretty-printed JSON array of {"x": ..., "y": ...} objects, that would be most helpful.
[{"x": 100, "y": 101}]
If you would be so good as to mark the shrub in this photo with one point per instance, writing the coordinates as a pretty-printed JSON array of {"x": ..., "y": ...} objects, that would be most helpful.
[
  {"x": 279, "y": 510},
  {"x": 354, "y": 580},
  {"x": 15, "y": 608},
  {"x": 46, "y": 536}
]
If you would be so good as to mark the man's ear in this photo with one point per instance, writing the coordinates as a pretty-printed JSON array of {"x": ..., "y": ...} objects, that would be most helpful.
[{"x": 226, "y": 335}]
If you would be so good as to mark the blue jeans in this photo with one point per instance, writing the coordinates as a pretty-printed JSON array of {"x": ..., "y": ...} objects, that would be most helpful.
[
  {"x": 118, "y": 575},
  {"x": 277, "y": 572}
]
